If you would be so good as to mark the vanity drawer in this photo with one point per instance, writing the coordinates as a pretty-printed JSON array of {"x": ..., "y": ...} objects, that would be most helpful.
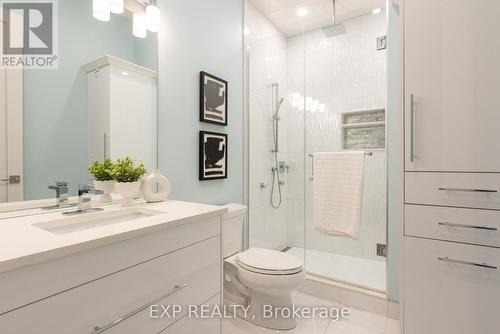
[
  {"x": 189, "y": 276},
  {"x": 469, "y": 190},
  {"x": 481, "y": 227},
  {"x": 449, "y": 289},
  {"x": 32, "y": 283},
  {"x": 193, "y": 325}
]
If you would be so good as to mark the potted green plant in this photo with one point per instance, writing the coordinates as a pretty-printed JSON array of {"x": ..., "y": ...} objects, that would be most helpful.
[
  {"x": 127, "y": 174},
  {"x": 103, "y": 178}
]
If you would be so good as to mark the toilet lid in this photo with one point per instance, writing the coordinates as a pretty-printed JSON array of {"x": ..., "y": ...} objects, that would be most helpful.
[{"x": 269, "y": 262}]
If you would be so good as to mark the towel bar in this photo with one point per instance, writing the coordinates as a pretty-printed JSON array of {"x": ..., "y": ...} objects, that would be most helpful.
[{"x": 311, "y": 178}]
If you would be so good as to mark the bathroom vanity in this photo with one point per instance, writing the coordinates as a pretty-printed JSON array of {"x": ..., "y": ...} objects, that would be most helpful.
[{"x": 100, "y": 272}]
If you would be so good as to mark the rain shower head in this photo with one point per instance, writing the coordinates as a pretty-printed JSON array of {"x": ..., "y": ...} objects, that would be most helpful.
[{"x": 334, "y": 30}]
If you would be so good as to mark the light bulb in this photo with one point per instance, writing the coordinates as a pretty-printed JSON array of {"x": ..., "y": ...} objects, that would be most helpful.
[
  {"x": 302, "y": 12},
  {"x": 153, "y": 18},
  {"x": 100, "y": 10},
  {"x": 139, "y": 26},
  {"x": 115, "y": 6}
]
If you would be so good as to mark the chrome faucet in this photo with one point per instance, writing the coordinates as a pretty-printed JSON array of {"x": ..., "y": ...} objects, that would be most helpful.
[
  {"x": 61, "y": 189},
  {"x": 85, "y": 193}
]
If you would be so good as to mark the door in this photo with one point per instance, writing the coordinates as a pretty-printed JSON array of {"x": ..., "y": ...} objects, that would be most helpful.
[
  {"x": 11, "y": 136},
  {"x": 452, "y": 75},
  {"x": 450, "y": 288}
]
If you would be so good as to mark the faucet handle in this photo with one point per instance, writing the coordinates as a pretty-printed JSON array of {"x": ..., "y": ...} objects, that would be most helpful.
[
  {"x": 58, "y": 185},
  {"x": 88, "y": 189}
]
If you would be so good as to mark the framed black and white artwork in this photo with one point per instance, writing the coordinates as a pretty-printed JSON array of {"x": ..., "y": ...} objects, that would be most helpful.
[
  {"x": 213, "y": 99},
  {"x": 213, "y": 155}
]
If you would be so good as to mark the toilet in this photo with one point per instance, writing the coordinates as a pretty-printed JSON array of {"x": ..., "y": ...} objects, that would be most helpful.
[{"x": 258, "y": 279}]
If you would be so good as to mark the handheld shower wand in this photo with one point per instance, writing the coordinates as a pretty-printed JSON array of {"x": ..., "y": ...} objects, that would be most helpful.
[
  {"x": 276, "y": 119},
  {"x": 275, "y": 170}
]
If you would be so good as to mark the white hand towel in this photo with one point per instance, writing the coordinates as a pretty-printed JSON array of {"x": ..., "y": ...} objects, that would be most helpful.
[{"x": 338, "y": 192}]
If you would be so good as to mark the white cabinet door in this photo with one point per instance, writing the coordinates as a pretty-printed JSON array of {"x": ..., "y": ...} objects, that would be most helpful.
[
  {"x": 451, "y": 53},
  {"x": 450, "y": 288}
]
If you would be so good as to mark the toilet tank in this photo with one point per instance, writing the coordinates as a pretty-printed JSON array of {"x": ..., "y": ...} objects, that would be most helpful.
[{"x": 232, "y": 228}]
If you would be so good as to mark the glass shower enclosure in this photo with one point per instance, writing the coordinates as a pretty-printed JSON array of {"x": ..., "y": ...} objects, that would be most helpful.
[{"x": 319, "y": 91}]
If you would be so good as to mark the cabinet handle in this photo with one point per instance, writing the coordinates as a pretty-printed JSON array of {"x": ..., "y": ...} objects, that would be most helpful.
[
  {"x": 467, "y": 263},
  {"x": 106, "y": 151},
  {"x": 311, "y": 178},
  {"x": 412, "y": 127},
  {"x": 484, "y": 227},
  {"x": 98, "y": 329},
  {"x": 469, "y": 190}
]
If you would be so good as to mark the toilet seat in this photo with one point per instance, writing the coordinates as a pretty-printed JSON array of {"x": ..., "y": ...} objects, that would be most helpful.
[{"x": 269, "y": 262}]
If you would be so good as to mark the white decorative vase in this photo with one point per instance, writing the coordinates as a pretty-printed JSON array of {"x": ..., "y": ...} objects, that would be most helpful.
[
  {"x": 128, "y": 191},
  {"x": 107, "y": 188},
  {"x": 149, "y": 184}
]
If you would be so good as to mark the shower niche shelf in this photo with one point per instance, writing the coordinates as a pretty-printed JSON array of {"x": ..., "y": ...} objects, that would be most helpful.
[{"x": 363, "y": 129}]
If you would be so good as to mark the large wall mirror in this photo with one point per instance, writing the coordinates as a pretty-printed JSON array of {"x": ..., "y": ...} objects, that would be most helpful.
[{"x": 100, "y": 102}]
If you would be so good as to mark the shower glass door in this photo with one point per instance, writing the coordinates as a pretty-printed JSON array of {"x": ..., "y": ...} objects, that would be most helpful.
[{"x": 344, "y": 110}]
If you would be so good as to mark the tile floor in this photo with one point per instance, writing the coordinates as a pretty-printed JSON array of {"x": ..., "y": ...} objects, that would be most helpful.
[
  {"x": 353, "y": 270},
  {"x": 360, "y": 322}
]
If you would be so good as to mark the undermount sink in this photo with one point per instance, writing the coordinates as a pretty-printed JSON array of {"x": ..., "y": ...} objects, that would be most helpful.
[{"x": 87, "y": 221}]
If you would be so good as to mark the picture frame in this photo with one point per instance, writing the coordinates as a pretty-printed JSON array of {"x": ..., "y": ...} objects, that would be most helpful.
[
  {"x": 213, "y": 156},
  {"x": 213, "y": 99}
]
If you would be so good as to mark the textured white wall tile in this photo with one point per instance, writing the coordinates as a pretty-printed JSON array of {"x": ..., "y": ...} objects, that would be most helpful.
[
  {"x": 343, "y": 73},
  {"x": 267, "y": 65}
]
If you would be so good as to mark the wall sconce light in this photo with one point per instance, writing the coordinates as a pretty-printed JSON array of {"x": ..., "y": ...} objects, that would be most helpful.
[
  {"x": 139, "y": 26},
  {"x": 100, "y": 10},
  {"x": 153, "y": 16},
  {"x": 115, "y": 6}
]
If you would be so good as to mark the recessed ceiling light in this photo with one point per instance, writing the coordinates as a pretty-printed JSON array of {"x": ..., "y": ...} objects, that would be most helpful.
[
  {"x": 124, "y": 73},
  {"x": 377, "y": 11},
  {"x": 246, "y": 31},
  {"x": 302, "y": 12}
]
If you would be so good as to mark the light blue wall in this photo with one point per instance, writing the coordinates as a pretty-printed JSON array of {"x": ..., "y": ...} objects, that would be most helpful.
[
  {"x": 199, "y": 36},
  {"x": 146, "y": 51},
  {"x": 394, "y": 141},
  {"x": 55, "y": 101}
]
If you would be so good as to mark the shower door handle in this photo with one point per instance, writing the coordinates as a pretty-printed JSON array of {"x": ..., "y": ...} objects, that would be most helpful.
[{"x": 311, "y": 178}]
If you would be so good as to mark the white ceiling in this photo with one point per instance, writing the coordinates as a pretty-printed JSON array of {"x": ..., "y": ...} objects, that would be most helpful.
[{"x": 283, "y": 13}]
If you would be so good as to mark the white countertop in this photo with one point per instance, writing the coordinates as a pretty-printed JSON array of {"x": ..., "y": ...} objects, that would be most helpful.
[{"x": 22, "y": 244}]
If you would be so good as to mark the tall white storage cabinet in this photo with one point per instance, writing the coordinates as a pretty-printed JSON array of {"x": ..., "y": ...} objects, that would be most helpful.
[
  {"x": 452, "y": 79},
  {"x": 122, "y": 110},
  {"x": 451, "y": 260}
]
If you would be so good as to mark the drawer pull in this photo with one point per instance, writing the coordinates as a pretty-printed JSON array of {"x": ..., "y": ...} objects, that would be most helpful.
[
  {"x": 470, "y": 190},
  {"x": 482, "y": 265},
  {"x": 98, "y": 329},
  {"x": 484, "y": 227}
]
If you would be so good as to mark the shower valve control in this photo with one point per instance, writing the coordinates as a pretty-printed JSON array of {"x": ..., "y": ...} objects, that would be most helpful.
[{"x": 283, "y": 167}]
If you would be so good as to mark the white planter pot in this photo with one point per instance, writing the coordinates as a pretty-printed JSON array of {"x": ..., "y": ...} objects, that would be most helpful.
[
  {"x": 107, "y": 188},
  {"x": 149, "y": 184},
  {"x": 128, "y": 191}
]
